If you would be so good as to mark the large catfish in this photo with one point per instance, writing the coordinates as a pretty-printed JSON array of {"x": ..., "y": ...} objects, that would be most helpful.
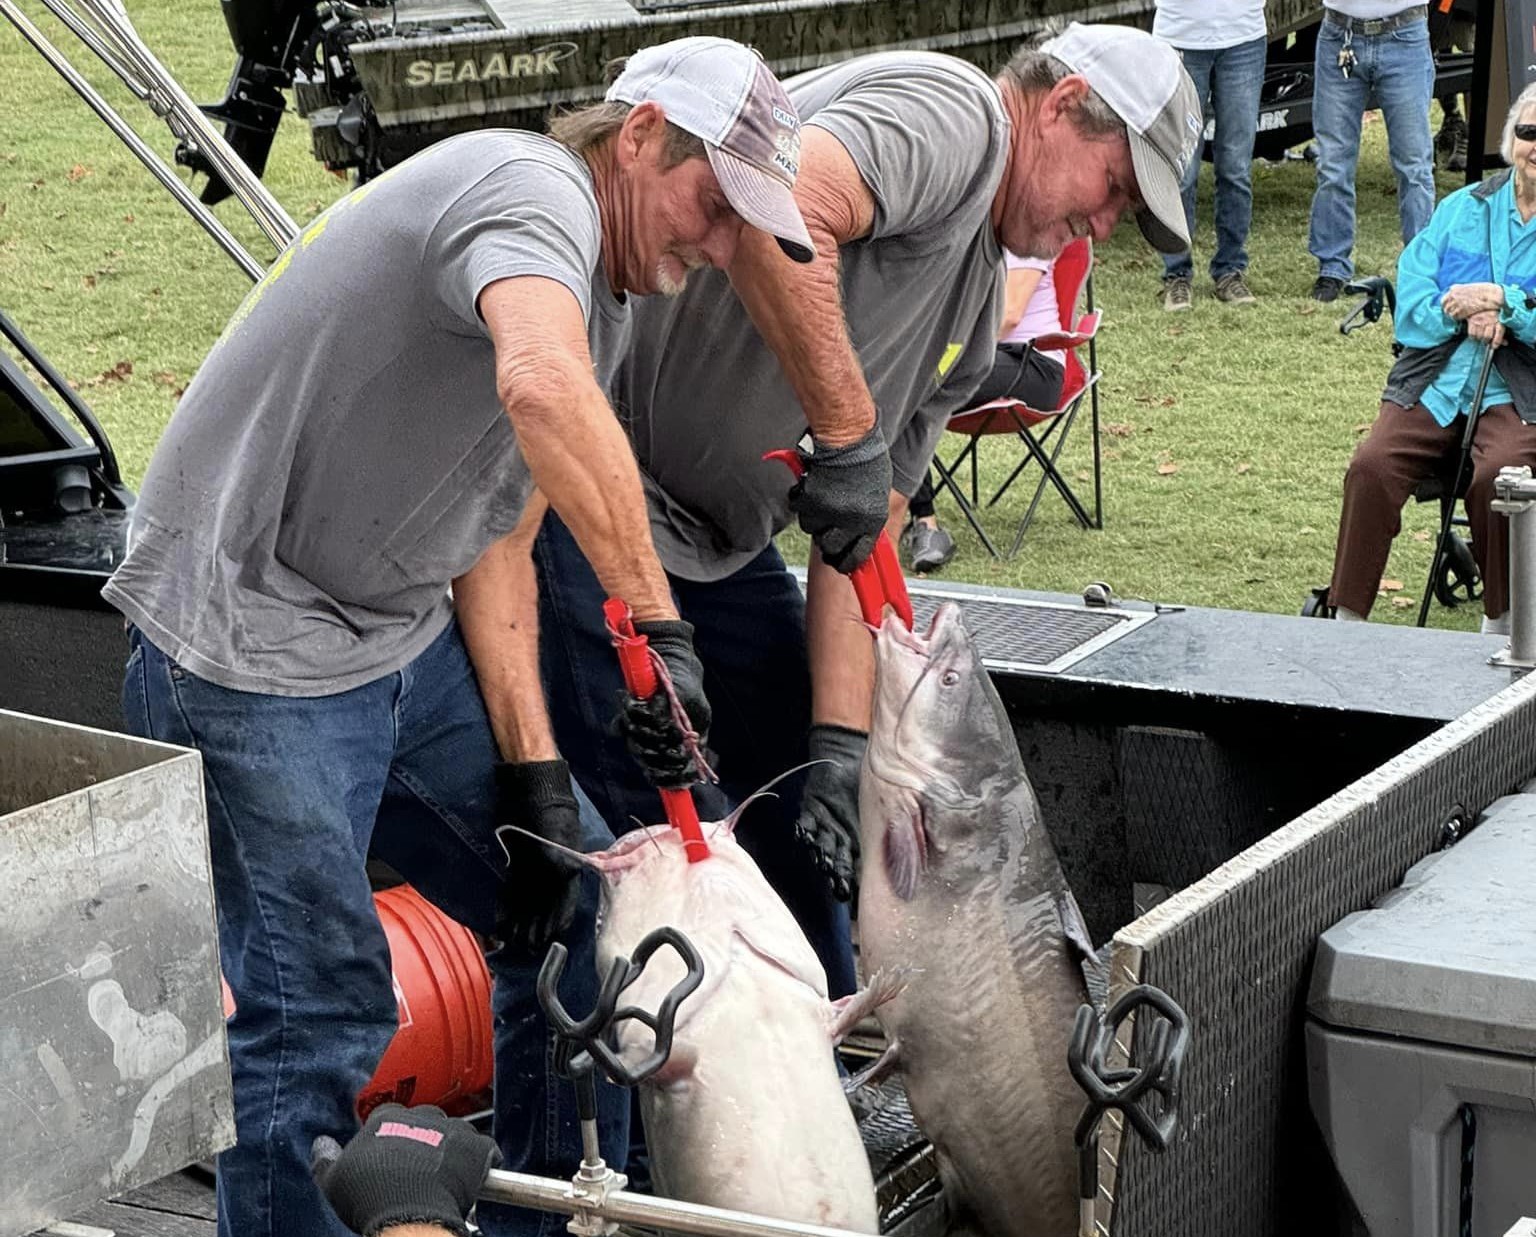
[
  {"x": 960, "y": 886},
  {"x": 749, "y": 1112}
]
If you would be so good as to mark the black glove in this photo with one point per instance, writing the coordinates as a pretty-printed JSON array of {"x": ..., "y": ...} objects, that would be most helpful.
[
  {"x": 829, "y": 810},
  {"x": 540, "y": 892},
  {"x": 844, "y": 498},
  {"x": 405, "y": 1166},
  {"x": 648, "y": 726}
]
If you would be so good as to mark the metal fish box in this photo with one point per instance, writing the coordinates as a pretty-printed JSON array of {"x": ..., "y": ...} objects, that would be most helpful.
[{"x": 113, "y": 1064}]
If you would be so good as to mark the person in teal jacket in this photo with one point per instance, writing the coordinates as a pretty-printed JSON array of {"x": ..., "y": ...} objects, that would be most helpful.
[{"x": 1465, "y": 284}]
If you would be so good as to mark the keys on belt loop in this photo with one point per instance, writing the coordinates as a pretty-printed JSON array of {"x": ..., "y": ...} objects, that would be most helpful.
[{"x": 1347, "y": 57}]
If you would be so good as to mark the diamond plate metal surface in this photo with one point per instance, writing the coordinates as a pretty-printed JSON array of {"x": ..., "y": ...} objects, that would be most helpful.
[
  {"x": 1016, "y": 634},
  {"x": 1234, "y": 950}
]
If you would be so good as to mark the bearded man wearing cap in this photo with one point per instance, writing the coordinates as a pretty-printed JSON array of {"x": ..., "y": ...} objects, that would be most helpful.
[
  {"x": 916, "y": 171},
  {"x": 330, "y": 594}
]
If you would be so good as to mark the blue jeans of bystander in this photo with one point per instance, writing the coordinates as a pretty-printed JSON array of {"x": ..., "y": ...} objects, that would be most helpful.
[
  {"x": 1394, "y": 71},
  {"x": 300, "y": 791},
  {"x": 1228, "y": 81}
]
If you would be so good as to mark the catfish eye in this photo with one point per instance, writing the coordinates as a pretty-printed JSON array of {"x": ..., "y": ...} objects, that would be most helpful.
[{"x": 949, "y": 678}]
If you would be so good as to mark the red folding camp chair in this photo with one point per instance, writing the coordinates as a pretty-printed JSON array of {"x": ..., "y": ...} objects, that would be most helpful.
[{"x": 1043, "y": 432}]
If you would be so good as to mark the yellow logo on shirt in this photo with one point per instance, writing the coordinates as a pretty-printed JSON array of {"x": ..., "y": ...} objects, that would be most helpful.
[{"x": 947, "y": 361}]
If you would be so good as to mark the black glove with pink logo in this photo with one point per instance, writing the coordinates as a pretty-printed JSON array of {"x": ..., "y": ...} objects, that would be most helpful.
[{"x": 405, "y": 1166}]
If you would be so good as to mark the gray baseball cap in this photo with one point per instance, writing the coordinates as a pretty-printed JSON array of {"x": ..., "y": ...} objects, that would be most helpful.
[
  {"x": 722, "y": 92},
  {"x": 1144, "y": 82}
]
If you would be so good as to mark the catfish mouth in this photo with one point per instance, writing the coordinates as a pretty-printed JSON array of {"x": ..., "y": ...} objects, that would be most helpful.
[{"x": 940, "y": 629}]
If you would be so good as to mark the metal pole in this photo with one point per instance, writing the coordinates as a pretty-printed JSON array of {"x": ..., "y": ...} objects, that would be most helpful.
[
  {"x": 129, "y": 138},
  {"x": 176, "y": 106},
  {"x": 621, "y": 1206},
  {"x": 1515, "y": 497}
]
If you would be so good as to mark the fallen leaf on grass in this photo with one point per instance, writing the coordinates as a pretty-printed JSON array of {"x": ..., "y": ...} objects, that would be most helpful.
[
  {"x": 128, "y": 218},
  {"x": 1402, "y": 603},
  {"x": 1244, "y": 468},
  {"x": 1390, "y": 586},
  {"x": 77, "y": 173},
  {"x": 118, "y": 373},
  {"x": 89, "y": 281},
  {"x": 1083, "y": 476},
  {"x": 1166, "y": 402},
  {"x": 1421, "y": 535},
  {"x": 1167, "y": 470},
  {"x": 1362, "y": 428},
  {"x": 164, "y": 378},
  {"x": 1119, "y": 429}
]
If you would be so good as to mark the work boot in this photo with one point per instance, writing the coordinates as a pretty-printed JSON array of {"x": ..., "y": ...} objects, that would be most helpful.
[
  {"x": 1326, "y": 288},
  {"x": 927, "y": 547},
  {"x": 1233, "y": 290},
  {"x": 1451, "y": 142},
  {"x": 1456, "y": 161},
  {"x": 1178, "y": 293}
]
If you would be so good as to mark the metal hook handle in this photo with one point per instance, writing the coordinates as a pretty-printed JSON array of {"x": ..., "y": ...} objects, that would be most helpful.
[
  {"x": 1159, "y": 1066},
  {"x": 587, "y": 1042}
]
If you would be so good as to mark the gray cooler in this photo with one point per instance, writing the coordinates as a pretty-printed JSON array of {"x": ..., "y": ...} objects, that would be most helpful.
[{"x": 1421, "y": 1038}]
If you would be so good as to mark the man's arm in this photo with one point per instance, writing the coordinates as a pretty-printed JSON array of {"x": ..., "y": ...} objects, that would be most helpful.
[
  {"x": 497, "y": 603},
  {"x": 797, "y": 307},
  {"x": 1021, "y": 285},
  {"x": 574, "y": 445}
]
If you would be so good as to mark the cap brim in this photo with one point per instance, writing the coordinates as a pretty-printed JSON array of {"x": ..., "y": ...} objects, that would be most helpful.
[
  {"x": 1162, "y": 218},
  {"x": 765, "y": 203}
]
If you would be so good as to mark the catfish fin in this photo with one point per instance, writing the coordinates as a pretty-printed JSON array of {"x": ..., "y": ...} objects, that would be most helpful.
[
  {"x": 877, "y": 1071},
  {"x": 906, "y": 855},
  {"x": 849, "y": 1011}
]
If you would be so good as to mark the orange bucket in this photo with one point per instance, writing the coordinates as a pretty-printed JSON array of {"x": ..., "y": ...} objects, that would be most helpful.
[{"x": 441, "y": 1053}]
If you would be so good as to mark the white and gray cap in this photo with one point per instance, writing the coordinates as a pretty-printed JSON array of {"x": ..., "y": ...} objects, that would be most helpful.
[
  {"x": 1143, "y": 81},
  {"x": 722, "y": 92}
]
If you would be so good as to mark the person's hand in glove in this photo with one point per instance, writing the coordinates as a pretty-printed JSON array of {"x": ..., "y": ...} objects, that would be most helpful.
[
  {"x": 843, "y": 499},
  {"x": 829, "y": 810},
  {"x": 649, "y": 727},
  {"x": 540, "y": 892},
  {"x": 405, "y": 1166}
]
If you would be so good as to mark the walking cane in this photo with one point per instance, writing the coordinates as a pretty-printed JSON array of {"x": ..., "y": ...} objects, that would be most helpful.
[{"x": 1461, "y": 468}]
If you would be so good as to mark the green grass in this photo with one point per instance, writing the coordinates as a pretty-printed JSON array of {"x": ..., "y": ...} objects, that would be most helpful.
[{"x": 1257, "y": 409}]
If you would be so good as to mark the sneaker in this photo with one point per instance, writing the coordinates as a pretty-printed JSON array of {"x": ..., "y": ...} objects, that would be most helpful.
[
  {"x": 927, "y": 547},
  {"x": 1178, "y": 293},
  {"x": 1327, "y": 288},
  {"x": 1234, "y": 290}
]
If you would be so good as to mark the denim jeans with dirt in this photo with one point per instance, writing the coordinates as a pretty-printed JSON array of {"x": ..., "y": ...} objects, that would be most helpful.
[{"x": 300, "y": 792}]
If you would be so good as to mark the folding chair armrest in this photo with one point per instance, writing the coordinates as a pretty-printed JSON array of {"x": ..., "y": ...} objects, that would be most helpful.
[{"x": 1062, "y": 341}]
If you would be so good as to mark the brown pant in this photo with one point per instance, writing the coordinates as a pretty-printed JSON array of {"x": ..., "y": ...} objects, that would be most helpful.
[{"x": 1403, "y": 448}]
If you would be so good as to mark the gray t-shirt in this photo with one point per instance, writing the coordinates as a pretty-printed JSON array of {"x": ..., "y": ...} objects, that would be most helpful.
[
  {"x": 704, "y": 397},
  {"x": 342, "y": 454}
]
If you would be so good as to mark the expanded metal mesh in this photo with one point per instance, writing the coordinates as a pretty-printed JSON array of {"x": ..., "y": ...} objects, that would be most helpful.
[{"x": 1234, "y": 950}]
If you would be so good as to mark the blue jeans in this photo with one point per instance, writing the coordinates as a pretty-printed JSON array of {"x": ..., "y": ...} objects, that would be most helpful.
[
  {"x": 1228, "y": 81},
  {"x": 300, "y": 791},
  {"x": 1395, "y": 72},
  {"x": 749, "y": 632}
]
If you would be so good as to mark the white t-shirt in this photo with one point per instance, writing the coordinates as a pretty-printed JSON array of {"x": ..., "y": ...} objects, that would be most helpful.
[
  {"x": 1209, "y": 25},
  {"x": 1369, "y": 10}
]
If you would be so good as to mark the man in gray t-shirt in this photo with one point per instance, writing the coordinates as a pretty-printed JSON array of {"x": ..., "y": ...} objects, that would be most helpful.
[
  {"x": 916, "y": 171},
  {"x": 385, "y": 419}
]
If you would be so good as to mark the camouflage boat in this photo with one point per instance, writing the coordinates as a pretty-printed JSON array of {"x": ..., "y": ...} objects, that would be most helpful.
[{"x": 389, "y": 80}]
